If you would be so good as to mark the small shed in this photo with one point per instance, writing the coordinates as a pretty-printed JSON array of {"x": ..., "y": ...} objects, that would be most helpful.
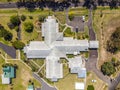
[
  {"x": 79, "y": 86},
  {"x": 30, "y": 87},
  {"x": 5, "y": 80}
]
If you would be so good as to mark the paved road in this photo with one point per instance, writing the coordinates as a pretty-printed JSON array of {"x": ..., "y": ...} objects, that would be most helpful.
[
  {"x": 91, "y": 64},
  {"x": 45, "y": 85},
  {"x": 8, "y": 5},
  {"x": 9, "y": 50}
]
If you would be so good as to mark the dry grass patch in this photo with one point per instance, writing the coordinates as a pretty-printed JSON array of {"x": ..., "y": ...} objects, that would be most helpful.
[{"x": 104, "y": 26}]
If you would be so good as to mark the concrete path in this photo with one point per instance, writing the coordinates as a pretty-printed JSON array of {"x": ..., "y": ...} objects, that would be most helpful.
[{"x": 45, "y": 85}]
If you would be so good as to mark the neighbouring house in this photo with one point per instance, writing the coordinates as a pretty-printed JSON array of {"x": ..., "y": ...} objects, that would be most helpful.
[
  {"x": 79, "y": 86},
  {"x": 30, "y": 87},
  {"x": 8, "y": 74},
  {"x": 54, "y": 47}
]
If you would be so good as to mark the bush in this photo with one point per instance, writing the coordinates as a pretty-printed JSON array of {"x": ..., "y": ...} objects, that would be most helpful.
[
  {"x": 18, "y": 45},
  {"x": 1, "y": 27},
  {"x": 107, "y": 68},
  {"x": 15, "y": 20},
  {"x": 23, "y": 17},
  {"x": 41, "y": 18},
  {"x": 8, "y": 36},
  {"x": 2, "y": 32},
  {"x": 30, "y": 17},
  {"x": 28, "y": 26},
  {"x": 90, "y": 87}
]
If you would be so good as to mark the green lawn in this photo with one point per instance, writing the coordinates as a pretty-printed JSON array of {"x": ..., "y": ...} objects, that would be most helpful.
[
  {"x": 40, "y": 62},
  {"x": 69, "y": 33}
]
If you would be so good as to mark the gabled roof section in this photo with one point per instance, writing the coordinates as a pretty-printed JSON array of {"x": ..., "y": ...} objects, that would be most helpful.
[
  {"x": 37, "y": 45},
  {"x": 57, "y": 53}
]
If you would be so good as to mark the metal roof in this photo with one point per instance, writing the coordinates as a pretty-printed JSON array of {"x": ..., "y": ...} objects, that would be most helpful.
[
  {"x": 5, "y": 80},
  {"x": 37, "y": 45},
  {"x": 93, "y": 44},
  {"x": 82, "y": 73},
  {"x": 54, "y": 69},
  {"x": 9, "y": 72}
]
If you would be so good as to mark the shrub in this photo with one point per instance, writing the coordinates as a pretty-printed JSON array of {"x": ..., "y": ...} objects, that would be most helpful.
[
  {"x": 28, "y": 26},
  {"x": 1, "y": 27},
  {"x": 10, "y": 25},
  {"x": 90, "y": 87},
  {"x": 2, "y": 32},
  {"x": 30, "y": 17},
  {"x": 18, "y": 45},
  {"x": 41, "y": 18},
  {"x": 8, "y": 36},
  {"x": 15, "y": 20},
  {"x": 23, "y": 17}
]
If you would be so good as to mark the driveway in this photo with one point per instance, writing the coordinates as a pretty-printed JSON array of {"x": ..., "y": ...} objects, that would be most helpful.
[
  {"x": 9, "y": 50},
  {"x": 45, "y": 85}
]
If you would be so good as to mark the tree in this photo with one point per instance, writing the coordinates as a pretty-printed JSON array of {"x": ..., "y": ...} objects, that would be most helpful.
[
  {"x": 10, "y": 25},
  {"x": 8, "y": 36},
  {"x": 18, "y": 44},
  {"x": 30, "y": 17},
  {"x": 41, "y": 18},
  {"x": 107, "y": 68},
  {"x": 90, "y": 87},
  {"x": 1, "y": 27},
  {"x": 15, "y": 20},
  {"x": 113, "y": 44},
  {"x": 23, "y": 17},
  {"x": 28, "y": 26}
]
